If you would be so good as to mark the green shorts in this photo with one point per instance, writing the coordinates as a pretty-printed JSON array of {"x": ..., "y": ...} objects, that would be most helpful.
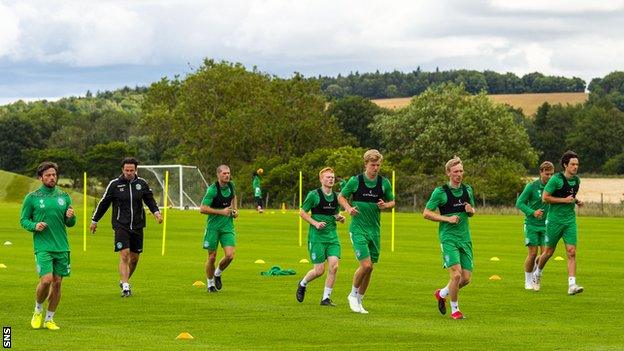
[
  {"x": 212, "y": 238},
  {"x": 366, "y": 245},
  {"x": 534, "y": 235},
  {"x": 319, "y": 252},
  {"x": 556, "y": 231},
  {"x": 457, "y": 252},
  {"x": 54, "y": 262}
]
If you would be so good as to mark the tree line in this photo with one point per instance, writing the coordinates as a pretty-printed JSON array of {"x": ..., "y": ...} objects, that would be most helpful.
[
  {"x": 399, "y": 84},
  {"x": 225, "y": 113}
]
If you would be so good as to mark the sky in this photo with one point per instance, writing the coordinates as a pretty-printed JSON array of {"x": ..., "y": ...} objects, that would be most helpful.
[{"x": 52, "y": 49}]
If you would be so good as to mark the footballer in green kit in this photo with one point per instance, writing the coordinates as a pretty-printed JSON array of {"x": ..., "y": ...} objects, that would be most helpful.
[
  {"x": 46, "y": 212},
  {"x": 219, "y": 204},
  {"x": 370, "y": 193},
  {"x": 531, "y": 204},
  {"x": 560, "y": 192},
  {"x": 323, "y": 242},
  {"x": 455, "y": 201}
]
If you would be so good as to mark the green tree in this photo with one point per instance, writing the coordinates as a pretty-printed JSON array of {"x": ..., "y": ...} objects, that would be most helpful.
[
  {"x": 552, "y": 125},
  {"x": 354, "y": 115},
  {"x": 446, "y": 121},
  {"x": 598, "y": 135},
  {"x": 104, "y": 160}
]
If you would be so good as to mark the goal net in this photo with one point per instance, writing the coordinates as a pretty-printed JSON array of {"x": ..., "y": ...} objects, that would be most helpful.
[{"x": 187, "y": 184}]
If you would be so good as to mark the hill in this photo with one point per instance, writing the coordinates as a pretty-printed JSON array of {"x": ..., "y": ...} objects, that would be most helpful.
[
  {"x": 13, "y": 188},
  {"x": 527, "y": 102}
]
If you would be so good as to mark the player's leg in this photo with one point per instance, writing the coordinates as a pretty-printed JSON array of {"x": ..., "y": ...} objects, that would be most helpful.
[
  {"x": 332, "y": 269},
  {"x": 569, "y": 238}
]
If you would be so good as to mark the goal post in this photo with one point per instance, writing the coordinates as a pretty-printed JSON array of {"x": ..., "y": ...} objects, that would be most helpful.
[{"x": 187, "y": 184}]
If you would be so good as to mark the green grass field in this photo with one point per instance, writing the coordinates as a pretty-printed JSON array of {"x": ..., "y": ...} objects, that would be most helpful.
[{"x": 257, "y": 312}]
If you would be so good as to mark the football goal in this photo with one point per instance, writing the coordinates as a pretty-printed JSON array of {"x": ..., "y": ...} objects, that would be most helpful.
[{"x": 187, "y": 184}]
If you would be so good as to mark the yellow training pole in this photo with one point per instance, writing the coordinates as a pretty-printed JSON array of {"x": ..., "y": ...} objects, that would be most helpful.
[
  {"x": 392, "y": 225},
  {"x": 84, "y": 211},
  {"x": 166, "y": 194},
  {"x": 300, "y": 203}
]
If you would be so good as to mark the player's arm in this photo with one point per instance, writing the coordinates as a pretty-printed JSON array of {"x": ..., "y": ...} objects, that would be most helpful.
[
  {"x": 148, "y": 199},
  {"x": 102, "y": 206},
  {"x": 205, "y": 209},
  {"x": 523, "y": 200},
  {"x": 470, "y": 207},
  {"x": 26, "y": 217},
  {"x": 549, "y": 199},
  {"x": 306, "y": 217},
  {"x": 381, "y": 204},
  {"x": 70, "y": 215},
  {"x": 349, "y": 189},
  {"x": 436, "y": 217}
]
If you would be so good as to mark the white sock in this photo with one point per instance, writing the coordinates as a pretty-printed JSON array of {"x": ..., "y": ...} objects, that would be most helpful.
[
  {"x": 528, "y": 276},
  {"x": 303, "y": 282},
  {"x": 444, "y": 291},
  {"x": 38, "y": 307},
  {"x": 125, "y": 286},
  {"x": 354, "y": 291},
  {"x": 360, "y": 297},
  {"x": 49, "y": 315},
  {"x": 454, "y": 306},
  {"x": 211, "y": 282},
  {"x": 327, "y": 293},
  {"x": 218, "y": 272},
  {"x": 571, "y": 281},
  {"x": 538, "y": 272}
]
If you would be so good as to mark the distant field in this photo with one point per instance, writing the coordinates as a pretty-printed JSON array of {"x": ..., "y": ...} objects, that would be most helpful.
[
  {"x": 528, "y": 102},
  {"x": 13, "y": 188}
]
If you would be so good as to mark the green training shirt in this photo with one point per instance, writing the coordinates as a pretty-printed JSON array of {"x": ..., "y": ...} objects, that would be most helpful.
[
  {"x": 531, "y": 200},
  {"x": 448, "y": 231},
  {"x": 369, "y": 218},
  {"x": 255, "y": 183},
  {"x": 327, "y": 234},
  {"x": 47, "y": 205},
  {"x": 561, "y": 213},
  {"x": 218, "y": 221}
]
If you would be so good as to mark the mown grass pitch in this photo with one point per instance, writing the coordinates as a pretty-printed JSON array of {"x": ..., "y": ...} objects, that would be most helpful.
[{"x": 256, "y": 312}]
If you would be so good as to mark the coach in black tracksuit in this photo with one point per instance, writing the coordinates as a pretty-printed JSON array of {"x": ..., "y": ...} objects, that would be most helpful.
[{"x": 127, "y": 195}]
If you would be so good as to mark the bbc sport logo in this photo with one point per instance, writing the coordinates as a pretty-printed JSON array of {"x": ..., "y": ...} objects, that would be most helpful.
[{"x": 6, "y": 337}]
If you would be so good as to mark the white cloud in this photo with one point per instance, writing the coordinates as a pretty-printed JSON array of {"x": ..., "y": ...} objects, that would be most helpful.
[
  {"x": 559, "y": 6},
  {"x": 565, "y": 37},
  {"x": 9, "y": 30}
]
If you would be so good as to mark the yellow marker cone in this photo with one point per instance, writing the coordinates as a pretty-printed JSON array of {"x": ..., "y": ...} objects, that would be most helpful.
[
  {"x": 558, "y": 258},
  {"x": 495, "y": 277},
  {"x": 184, "y": 336},
  {"x": 199, "y": 283},
  {"x": 272, "y": 212},
  {"x": 2, "y": 265},
  {"x": 8, "y": 243},
  {"x": 259, "y": 261},
  {"x": 283, "y": 207},
  {"x": 304, "y": 260},
  {"x": 494, "y": 259}
]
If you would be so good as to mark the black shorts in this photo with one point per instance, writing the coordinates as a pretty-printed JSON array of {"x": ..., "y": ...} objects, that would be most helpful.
[{"x": 129, "y": 239}]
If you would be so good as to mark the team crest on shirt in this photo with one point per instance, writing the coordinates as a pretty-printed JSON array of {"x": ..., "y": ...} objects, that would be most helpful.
[
  {"x": 60, "y": 201},
  {"x": 137, "y": 187}
]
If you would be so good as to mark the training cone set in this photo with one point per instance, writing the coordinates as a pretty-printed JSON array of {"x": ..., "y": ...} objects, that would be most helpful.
[{"x": 199, "y": 284}]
